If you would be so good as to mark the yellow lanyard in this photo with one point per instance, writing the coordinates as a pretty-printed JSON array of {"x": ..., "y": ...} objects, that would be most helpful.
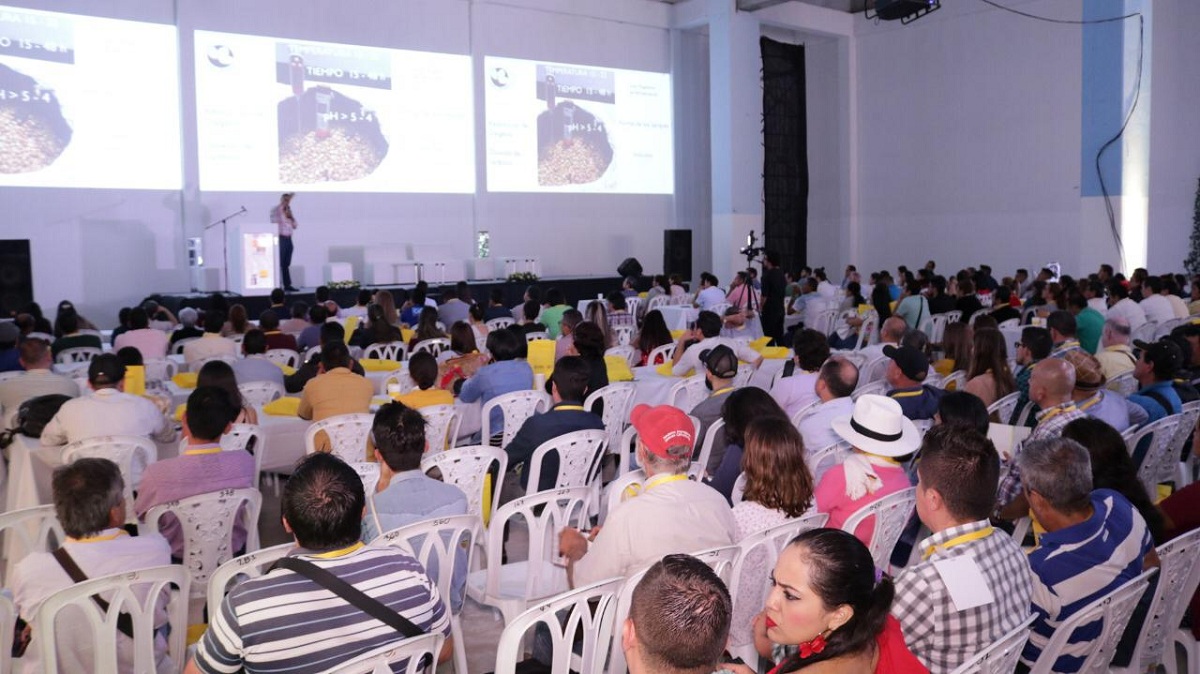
[
  {"x": 339, "y": 553},
  {"x": 202, "y": 449},
  {"x": 720, "y": 391},
  {"x": 907, "y": 394},
  {"x": 97, "y": 539},
  {"x": 959, "y": 540},
  {"x": 1090, "y": 402},
  {"x": 638, "y": 489},
  {"x": 577, "y": 408},
  {"x": 1055, "y": 411}
]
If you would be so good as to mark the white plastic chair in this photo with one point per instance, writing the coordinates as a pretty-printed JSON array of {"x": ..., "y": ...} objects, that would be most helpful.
[
  {"x": 825, "y": 321},
  {"x": 1002, "y": 656},
  {"x": 874, "y": 371},
  {"x": 206, "y": 521},
  {"x": 368, "y": 472},
  {"x": 517, "y": 407},
  {"x": 510, "y": 588},
  {"x": 618, "y": 399},
  {"x": 874, "y": 388},
  {"x": 537, "y": 335},
  {"x": 1188, "y": 459},
  {"x": 805, "y": 412},
  {"x": 622, "y": 335},
  {"x": 937, "y": 328},
  {"x": 1124, "y": 384},
  {"x": 715, "y": 434},
  {"x": 868, "y": 332},
  {"x": 1004, "y": 407},
  {"x": 247, "y": 438},
  {"x": 891, "y": 514},
  {"x": 629, "y": 484},
  {"x": 442, "y": 424},
  {"x": 8, "y": 623},
  {"x": 1178, "y": 576},
  {"x": 759, "y": 553},
  {"x": 589, "y": 611},
  {"x": 177, "y": 347},
  {"x": 1163, "y": 329},
  {"x": 955, "y": 381},
  {"x": 1144, "y": 332},
  {"x": 238, "y": 569},
  {"x": 131, "y": 454},
  {"x": 137, "y": 593},
  {"x": 499, "y": 323},
  {"x": 625, "y": 352},
  {"x": 283, "y": 357},
  {"x": 347, "y": 434},
  {"x": 660, "y": 352},
  {"x": 821, "y": 460},
  {"x": 658, "y": 302},
  {"x": 387, "y": 351},
  {"x": 579, "y": 456},
  {"x": 467, "y": 468},
  {"x": 400, "y": 378},
  {"x": 78, "y": 354},
  {"x": 197, "y": 365},
  {"x": 160, "y": 369},
  {"x": 1160, "y": 461},
  {"x": 744, "y": 372},
  {"x": 312, "y": 352},
  {"x": 438, "y": 544},
  {"x": 978, "y": 314},
  {"x": 417, "y": 652},
  {"x": 27, "y": 531},
  {"x": 260, "y": 393},
  {"x": 688, "y": 392},
  {"x": 1114, "y": 609}
]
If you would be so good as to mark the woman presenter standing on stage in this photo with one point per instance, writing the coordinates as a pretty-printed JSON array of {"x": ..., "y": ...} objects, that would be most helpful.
[{"x": 281, "y": 215}]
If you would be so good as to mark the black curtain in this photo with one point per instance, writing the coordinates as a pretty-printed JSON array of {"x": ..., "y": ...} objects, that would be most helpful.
[{"x": 785, "y": 156}]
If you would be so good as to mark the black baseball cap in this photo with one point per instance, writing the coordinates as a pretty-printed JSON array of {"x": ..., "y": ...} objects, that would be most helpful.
[
  {"x": 721, "y": 361},
  {"x": 910, "y": 360}
]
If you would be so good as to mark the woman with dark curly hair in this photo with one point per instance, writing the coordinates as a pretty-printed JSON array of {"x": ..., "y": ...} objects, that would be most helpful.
[{"x": 741, "y": 407}]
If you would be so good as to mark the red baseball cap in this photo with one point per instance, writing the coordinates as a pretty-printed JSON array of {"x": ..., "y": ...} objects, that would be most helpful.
[{"x": 662, "y": 427}]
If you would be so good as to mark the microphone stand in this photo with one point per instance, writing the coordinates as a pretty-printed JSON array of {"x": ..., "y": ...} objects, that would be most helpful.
[{"x": 223, "y": 222}]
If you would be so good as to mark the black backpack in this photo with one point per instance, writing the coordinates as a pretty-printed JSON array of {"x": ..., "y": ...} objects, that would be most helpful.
[{"x": 33, "y": 415}]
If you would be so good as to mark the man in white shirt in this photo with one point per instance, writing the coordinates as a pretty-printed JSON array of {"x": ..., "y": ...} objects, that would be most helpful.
[
  {"x": 708, "y": 334},
  {"x": 810, "y": 349},
  {"x": 38, "y": 380},
  {"x": 1155, "y": 305},
  {"x": 212, "y": 343},
  {"x": 1120, "y": 306},
  {"x": 89, "y": 502},
  {"x": 710, "y": 295},
  {"x": 836, "y": 380},
  {"x": 107, "y": 411},
  {"x": 1093, "y": 292},
  {"x": 890, "y": 334}
]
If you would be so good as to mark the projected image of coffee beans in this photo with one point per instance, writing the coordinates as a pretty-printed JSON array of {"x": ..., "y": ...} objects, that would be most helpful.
[
  {"x": 336, "y": 156},
  {"x": 29, "y": 143},
  {"x": 570, "y": 162}
]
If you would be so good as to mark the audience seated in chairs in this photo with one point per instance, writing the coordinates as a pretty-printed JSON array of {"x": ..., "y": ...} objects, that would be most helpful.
[
  {"x": 423, "y": 370},
  {"x": 152, "y": 343},
  {"x": 10, "y": 358},
  {"x": 38, "y": 379},
  {"x": 376, "y": 330},
  {"x": 836, "y": 380},
  {"x": 187, "y": 326},
  {"x": 201, "y": 467},
  {"x": 90, "y": 505},
  {"x": 67, "y": 329},
  {"x": 268, "y": 322},
  {"x": 108, "y": 410},
  {"x": 455, "y": 305},
  {"x": 297, "y": 322},
  {"x": 220, "y": 374},
  {"x": 426, "y": 328},
  {"x": 905, "y": 375},
  {"x": 310, "y": 336},
  {"x": 679, "y": 618},
  {"x": 720, "y": 367},
  {"x": 322, "y": 507},
  {"x": 254, "y": 366},
  {"x": 565, "y": 342},
  {"x": 335, "y": 390},
  {"x": 212, "y": 344},
  {"x": 741, "y": 407},
  {"x": 496, "y": 307},
  {"x": 330, "y": 332},
  {"x": 588, "y": 343},
  {"x": 1094, "y": 400},
  {"x": 798, "y": 390},
  {"x": 654, "y": 333},
  {"x": 989, "y": 376},
  {"x": 504, "y": 374},
  {"x": 705, "y": 336},
  {"x": 1034, "y": 347},
  {"x": 1155, "y": 372}
]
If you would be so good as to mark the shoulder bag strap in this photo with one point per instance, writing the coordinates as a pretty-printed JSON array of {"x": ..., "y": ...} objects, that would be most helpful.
[
  {"x": 365, "y": 603},
  {"x": 64, "y": 559}
]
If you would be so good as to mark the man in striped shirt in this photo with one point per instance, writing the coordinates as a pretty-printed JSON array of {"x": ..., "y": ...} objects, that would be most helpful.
[
  {"x": 285, "y": 623},
  {"x": 1095, "y": 541}
]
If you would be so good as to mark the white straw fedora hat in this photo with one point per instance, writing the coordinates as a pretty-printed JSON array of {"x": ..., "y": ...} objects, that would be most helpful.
[{"x": 878, "y": 426}]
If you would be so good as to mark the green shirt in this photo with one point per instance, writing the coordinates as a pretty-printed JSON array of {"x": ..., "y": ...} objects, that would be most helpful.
[
  {"x": 551, "y": 317},
  {"x": 1089, "y": 323}
]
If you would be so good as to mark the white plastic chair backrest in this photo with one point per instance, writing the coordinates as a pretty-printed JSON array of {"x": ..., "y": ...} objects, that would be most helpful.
[
  {"x": 399, "y": 377},
  {"x": 660, "y": 354},
  {"x": 1009, "y": 324},
  {"x": 1004, "y": 407},
  {"x": 206, "y": 522},
  {"x": 739, "y": 489},
  {"x": 715, "y": 434},
  {"x": 499, "y": 323},
  {"x": 536, "y": 336},
  {"x": 546, "y": 514},
  {"x": 466, "y": 468},
  {"x": 347, "y": 435},
  {"x": 891, "y": 514},
  {"x": 137, "y": 593},
  {"x": 312, "y": 352},
  {"x": 628, "y": 485},
  {"x": 953, "y": 316},
  {"x": 760, "y": 551},
  {"x": 744, "y": 372},
  {"x": 976, "y": 315},
  {"x": 1178, "y": 576},
  {"x": 934, "y": 379},
  {"x": 867, "y": 331},
  {"x": 517, "y": 407},
  {"x": 1189, "y": 416},
  {"x": 873, "y": 371},
  {"x": 874, "y": 388},
  {"x": 44, "y": 336},
  {"x": 386, "y": 351},
  {"x": 633, "y": 305},
  {"x": 413, "y": 651},
  {"x": 821, "y": 460},
  {"x": 656, "y": 303},
  {"x": 26, "y": 531},
  {"x": 625, "y": 450},
  {"x": 624, "y": 351},
  {"x": 1166, "y": 327},
  {"x": 434, "y": 346},
  {"x": 368, "y": 472},
  {"x": 1160, "y": 461},
  {"x": 618, "y": 399},
  {"x": 196, "y": 365},
  {"x": 955, "y": 381},
  {"x": 1114, "y": 610},
  {"x": 441, "y": 429},
  {"x": 160, "y": 369},
  {"x": 579, "y": 457},
  {"x": 436, "y": 543},
  {"x": 247, "y": 438},
  {"x": 283, "y": 357},
  {"x": 78, "y": 354},
  {"x": 937, "y": 328},
  {"x": 127, "y": 451},
  {"x": 238, "y": 569},
  {"x": 8, "y": 622},
  {"x": 687, "y": 392},
  {"x": 622, "y": 335},
  {"x": 177, "y": 347},
  {"x": 805, "y": 412},
  {"x": 1124, "y": 384},
  {"x": 260, "y": 393},
  {"x": 1002, "y": 656},
  {"x": 589, "y": 611},
  {"x": 1144, "y": 332}
]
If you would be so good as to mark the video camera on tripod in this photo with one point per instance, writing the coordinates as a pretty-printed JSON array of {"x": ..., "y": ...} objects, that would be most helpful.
[{"x": 750, "y": 250}]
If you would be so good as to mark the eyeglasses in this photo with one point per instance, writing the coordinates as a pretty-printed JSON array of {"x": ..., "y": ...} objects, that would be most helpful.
[{"x": 1018, "y": 345}]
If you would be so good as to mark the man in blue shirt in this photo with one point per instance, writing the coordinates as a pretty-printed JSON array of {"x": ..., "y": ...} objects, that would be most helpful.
[
  {"x": 504, "y": 374},
  {"x": 908, "y": 369},
  {"x": 1155, "y": 372}
]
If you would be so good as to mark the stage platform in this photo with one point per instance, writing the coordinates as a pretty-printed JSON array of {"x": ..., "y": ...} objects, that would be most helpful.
[{"x": 575, "y": 289}]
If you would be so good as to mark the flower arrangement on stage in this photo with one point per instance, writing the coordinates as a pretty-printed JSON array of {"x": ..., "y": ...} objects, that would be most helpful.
[
  {"x": 522, "y": 277},
  {"x": 343, "y": 285}
]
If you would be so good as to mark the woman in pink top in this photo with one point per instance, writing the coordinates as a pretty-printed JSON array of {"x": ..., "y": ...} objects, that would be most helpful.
[{"x": 879, "y": 433}]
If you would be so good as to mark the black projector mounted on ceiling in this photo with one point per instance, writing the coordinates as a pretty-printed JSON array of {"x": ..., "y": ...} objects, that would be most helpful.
[{"x": 905, "y": 10}]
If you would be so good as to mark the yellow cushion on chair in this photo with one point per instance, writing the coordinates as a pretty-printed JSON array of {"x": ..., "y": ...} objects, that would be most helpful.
[
  {"x": 186, "y": 379},
  {"x": 379, "y": 364},
  {"x": 541, "y": 356},
  {"x": 618, "y": 368}
]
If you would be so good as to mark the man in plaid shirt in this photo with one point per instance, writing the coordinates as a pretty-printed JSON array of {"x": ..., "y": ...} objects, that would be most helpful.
[{"x": 956, "y": 490}]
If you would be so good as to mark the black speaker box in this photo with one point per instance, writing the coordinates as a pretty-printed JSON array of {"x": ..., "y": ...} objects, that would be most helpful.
[
  {"x": 16, "y": 276},
  {"x": 677, "y": 252},
  {"x": 630, "y": 267}
]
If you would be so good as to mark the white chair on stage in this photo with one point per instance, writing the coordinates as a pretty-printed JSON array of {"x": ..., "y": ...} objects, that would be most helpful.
[
  {"x": 589, "y": 612},
  {"x": 27, "y": 531},
  {"x": 347, "y": 435},
  {"x": 441, "y": 545},
  {"x": 207, "y": 522},
  {"x": 468, "y": 468},
  {"x": 368, "y": 472},
  {"x": 78, "y": 354},
  {"x": 510, "y": 588},
  {"x": 890, "y": 515},
  {"x": 1002, "y": 656},
  {"x": 688, "y": 392},
  {"x": 618, "y": 400},
  {"x": 416, "y": 652},
  {"x": 388, "y": 351},
  {"x": 1114, "y": 610},
  {"x": 579, "y": 456},
  {"x": 516, "y": 407},
  {"x": 131, "y": 454},
  {"x": 1178, "y": 576},
  {"x": 261, "y": 393},
  {"x": 283, "y": 357},
  {"x": 660, "y": 354},
  {"x": 238, "y": 569},
  {"x": 139, "y": 594}
]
